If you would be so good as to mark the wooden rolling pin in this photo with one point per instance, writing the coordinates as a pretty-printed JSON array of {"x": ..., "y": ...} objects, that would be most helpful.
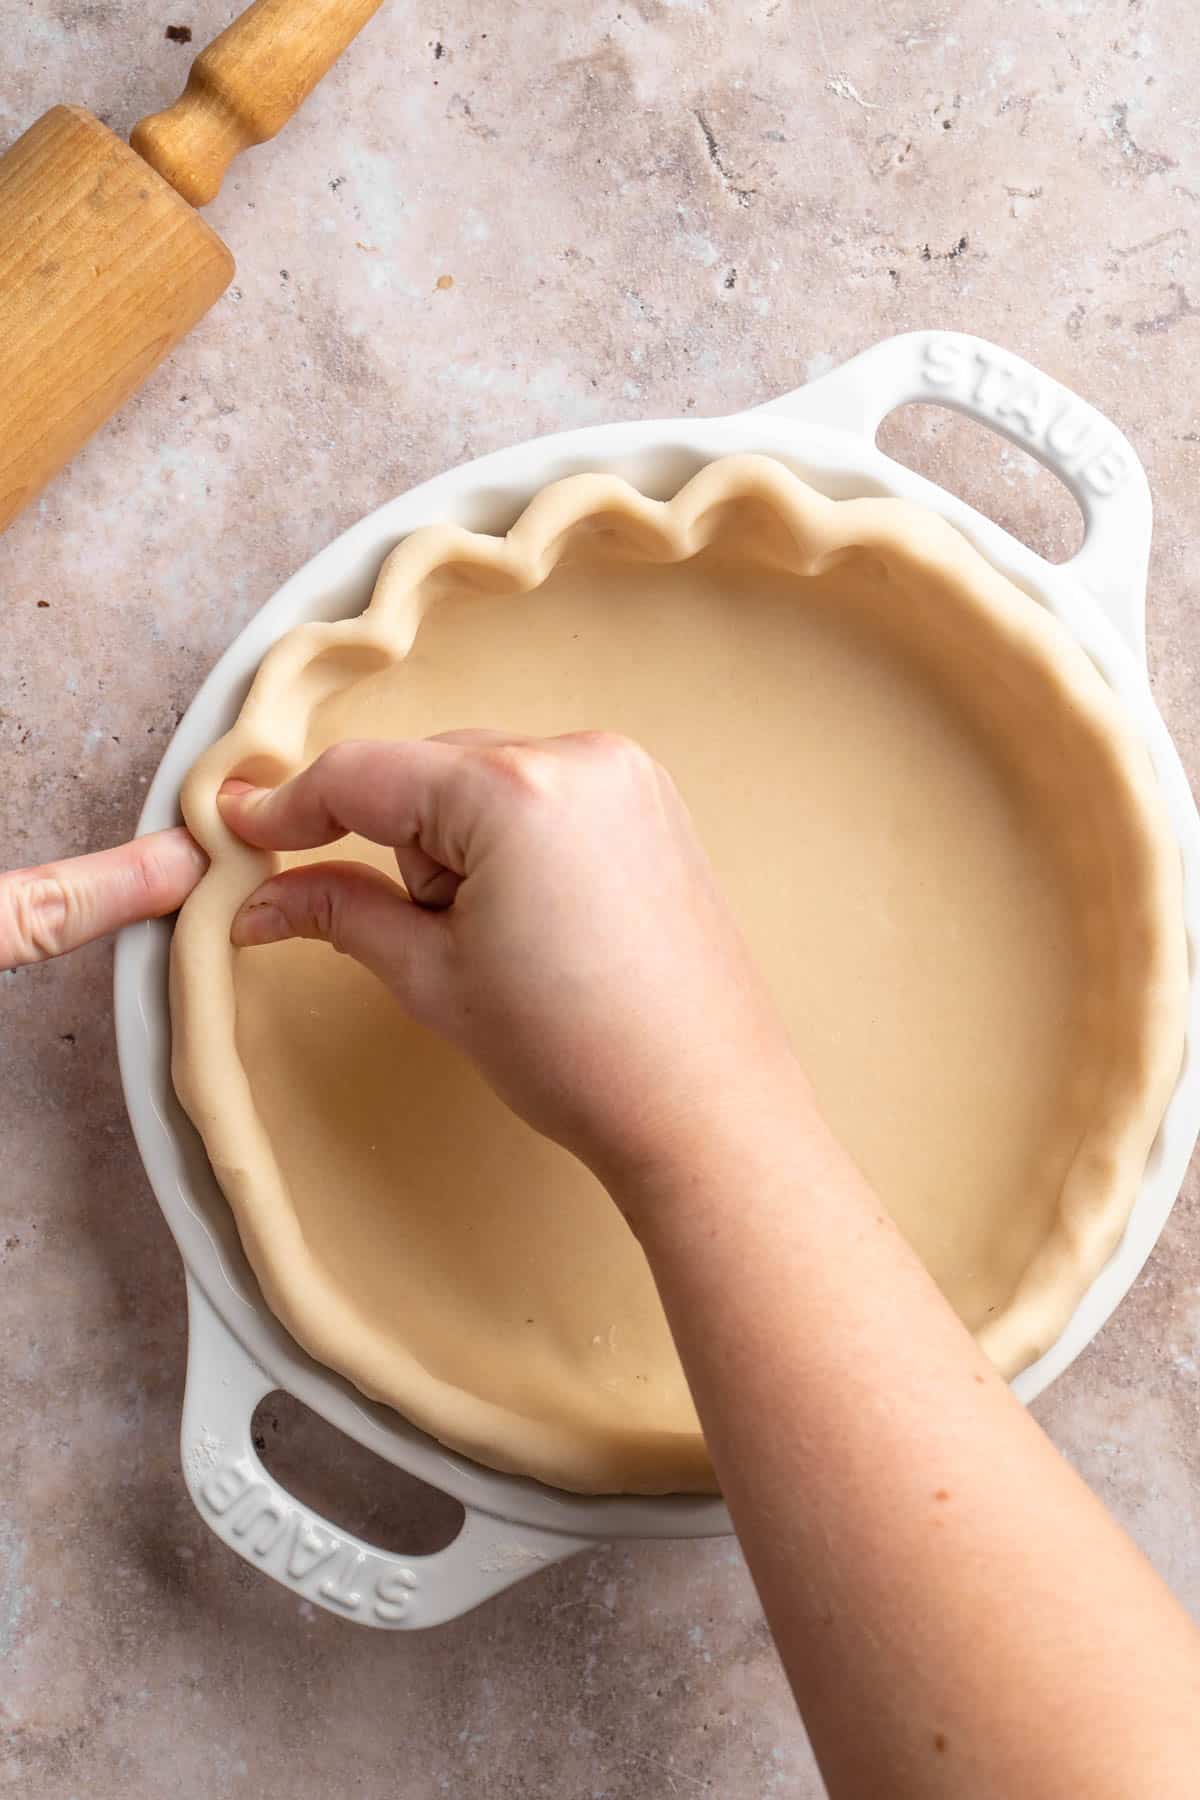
[{"x": 104, "y": 263}]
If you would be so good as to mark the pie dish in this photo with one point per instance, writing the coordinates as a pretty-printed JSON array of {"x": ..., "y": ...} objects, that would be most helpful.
[
  {"x": 237, "y": 1351},
  {"x": 971, "y": 912}
]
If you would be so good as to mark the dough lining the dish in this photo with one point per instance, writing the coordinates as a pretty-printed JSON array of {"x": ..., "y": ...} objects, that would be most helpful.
[{"x": 936, "y": 826}]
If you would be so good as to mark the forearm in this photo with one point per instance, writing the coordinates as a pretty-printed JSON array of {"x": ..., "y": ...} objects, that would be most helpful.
[{"x": 956, "y": 1612}]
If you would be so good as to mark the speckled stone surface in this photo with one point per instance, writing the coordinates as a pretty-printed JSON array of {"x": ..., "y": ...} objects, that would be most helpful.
[{"x": 646, "y": 207}]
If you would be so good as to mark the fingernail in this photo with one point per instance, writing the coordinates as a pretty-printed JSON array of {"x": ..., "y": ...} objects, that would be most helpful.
[
  {"x": 258, "y": 922},
  {"x": 234, "y": 789}
]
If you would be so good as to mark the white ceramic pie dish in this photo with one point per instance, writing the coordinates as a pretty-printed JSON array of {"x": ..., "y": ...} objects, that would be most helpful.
[{"x": 238, "y": 1352}]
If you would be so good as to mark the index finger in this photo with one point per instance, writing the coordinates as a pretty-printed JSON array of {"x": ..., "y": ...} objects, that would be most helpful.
[
  {"x": 58, "y": 906},
  {"x": 393, "y": 793}
]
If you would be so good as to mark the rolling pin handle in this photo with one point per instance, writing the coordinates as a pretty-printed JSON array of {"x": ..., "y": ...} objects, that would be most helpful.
[{"x": 245, "y": 87}]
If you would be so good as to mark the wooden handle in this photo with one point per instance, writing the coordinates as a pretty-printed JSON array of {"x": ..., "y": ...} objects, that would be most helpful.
[{"x": 245, "y": 87}]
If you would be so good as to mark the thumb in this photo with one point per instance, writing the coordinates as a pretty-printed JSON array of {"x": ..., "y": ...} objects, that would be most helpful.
[{"x": 360, "y": 912}]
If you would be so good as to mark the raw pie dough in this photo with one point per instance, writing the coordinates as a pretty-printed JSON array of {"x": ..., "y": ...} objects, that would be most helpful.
[{"x": 935, "y": 825}]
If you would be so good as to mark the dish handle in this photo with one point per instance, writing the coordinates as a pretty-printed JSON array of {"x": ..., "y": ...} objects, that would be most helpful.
[
  {"x": 250, "y": 1511},
  {"x": 1093, "y": 460}
]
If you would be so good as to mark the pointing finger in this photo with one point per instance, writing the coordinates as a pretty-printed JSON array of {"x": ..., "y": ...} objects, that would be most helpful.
[
  {"x": 49, "y": 910},
  {"x": 388, "y": 792}
]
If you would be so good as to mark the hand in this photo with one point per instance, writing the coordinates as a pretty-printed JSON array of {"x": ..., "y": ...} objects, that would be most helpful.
[
  {"x": 931, "y": 1569},
  {"x": 568, "y": 933},
  {"x": 58, "y": 906}
]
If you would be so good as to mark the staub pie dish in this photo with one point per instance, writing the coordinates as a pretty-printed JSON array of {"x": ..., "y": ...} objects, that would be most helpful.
[
  {"x": 970, "y": 914},
  {"x": 973, "y": 913}
]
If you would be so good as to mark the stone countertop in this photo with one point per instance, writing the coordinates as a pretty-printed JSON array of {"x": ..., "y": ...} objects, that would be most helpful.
[{"x": 491, "y": 222}]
